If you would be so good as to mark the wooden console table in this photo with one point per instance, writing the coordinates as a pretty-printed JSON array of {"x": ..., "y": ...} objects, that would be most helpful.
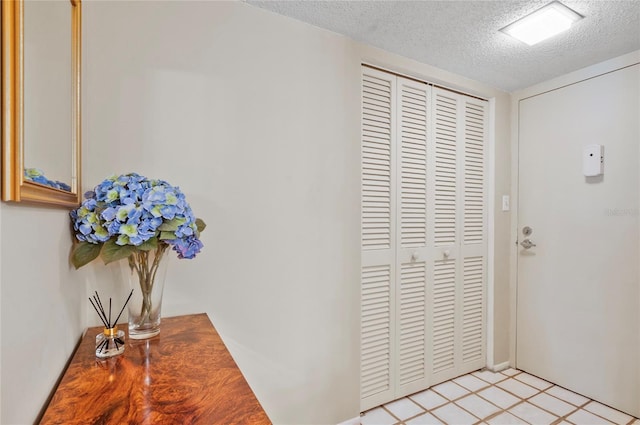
[{"x": 185, "y": 375}]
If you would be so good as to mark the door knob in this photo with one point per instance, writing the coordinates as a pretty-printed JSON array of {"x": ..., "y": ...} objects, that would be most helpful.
[
  {"x": 526, "y": 244},
  {"x": 446, "y": 253},
  {"x": 415, "y": 256}
]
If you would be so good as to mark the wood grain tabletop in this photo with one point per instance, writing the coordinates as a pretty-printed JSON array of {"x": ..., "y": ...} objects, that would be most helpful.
[{"x": 185, "y": 375}]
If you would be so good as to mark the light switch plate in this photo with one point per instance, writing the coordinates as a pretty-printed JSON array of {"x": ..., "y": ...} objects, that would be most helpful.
[{"x": 505, "y": 203}]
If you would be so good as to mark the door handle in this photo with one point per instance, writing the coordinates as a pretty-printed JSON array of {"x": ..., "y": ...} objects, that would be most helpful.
[{"x": 527, "y": 244}]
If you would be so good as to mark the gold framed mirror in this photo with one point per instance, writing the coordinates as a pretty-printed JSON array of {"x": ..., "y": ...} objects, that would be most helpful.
[{"x": 41, "y": 139}]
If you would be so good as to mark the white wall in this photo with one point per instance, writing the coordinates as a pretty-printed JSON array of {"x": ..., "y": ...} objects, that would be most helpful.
[
  {"x": 257, "y": 118},
  {"x": 252, "y": 118},
  {"x": 42, "y": 307}
]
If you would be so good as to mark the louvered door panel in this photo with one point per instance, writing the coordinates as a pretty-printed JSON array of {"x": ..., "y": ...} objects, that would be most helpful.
[
  {"x": 413, "y": 102},
  {"x": 378, "y": 361},
  {"x": 474, "y": 173},
  {"x": 413, "y": 163},
  {"x": 474, "y": 241},
  {"x": 411, "y": 347},
  {"x": 443, "y": 318},
  {"x": 376, "y": 330},
  {"x": 473, "y": 310},
  {"x": 445, "y": 222},
  {"x": 446, "y": 167},
  {"x": 377, "y": 168}
]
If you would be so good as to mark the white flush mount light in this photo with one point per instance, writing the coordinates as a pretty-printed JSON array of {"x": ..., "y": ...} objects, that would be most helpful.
[{"x": 546, "y": 22}]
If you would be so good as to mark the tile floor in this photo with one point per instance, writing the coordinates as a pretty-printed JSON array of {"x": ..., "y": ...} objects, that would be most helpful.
[{"x": 509, "y": 397}]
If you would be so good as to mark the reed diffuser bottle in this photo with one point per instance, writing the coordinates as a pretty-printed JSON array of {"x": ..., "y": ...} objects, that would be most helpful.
[{"x": 110, "y": 342}]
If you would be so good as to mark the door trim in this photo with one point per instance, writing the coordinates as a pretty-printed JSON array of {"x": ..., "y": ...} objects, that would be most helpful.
[{"x": 491, "y": 237}]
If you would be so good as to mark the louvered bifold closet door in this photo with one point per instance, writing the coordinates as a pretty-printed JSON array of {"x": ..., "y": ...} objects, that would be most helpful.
[
  {"x": 413, "y": 102},
  {"x": 444, "y": 220},
  {"x": 474, "y": 234},
  {"x": 378, "y": 334},
  {"x": 457, "y": 164},
  {"x": 424, "y": 236}
]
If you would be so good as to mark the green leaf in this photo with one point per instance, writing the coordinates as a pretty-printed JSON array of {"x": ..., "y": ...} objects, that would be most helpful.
[
  {"x": 200, "y": 224},
  {"x": 166, "y": 236},
  {"x": 113, "y": 252},
  {"x": 83, "y": 253},
  {"x": 171, "y": 225},
  {"x": 148, "y": 245}
]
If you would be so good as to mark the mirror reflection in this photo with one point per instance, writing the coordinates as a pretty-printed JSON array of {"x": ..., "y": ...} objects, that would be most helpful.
[{"x": 48, "y": 93}]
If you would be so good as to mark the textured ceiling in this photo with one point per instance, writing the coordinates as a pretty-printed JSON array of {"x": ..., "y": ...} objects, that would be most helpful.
[{"x": 463, "y": 37}]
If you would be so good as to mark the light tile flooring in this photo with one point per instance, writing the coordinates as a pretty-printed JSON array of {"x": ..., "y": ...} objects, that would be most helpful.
[{"x": 510, "y": 397}]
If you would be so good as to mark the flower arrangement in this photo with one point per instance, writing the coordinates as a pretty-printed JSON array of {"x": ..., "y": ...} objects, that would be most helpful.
[
  {"x": 133, "y": 217},
  {"x": 130, "y": 214}
]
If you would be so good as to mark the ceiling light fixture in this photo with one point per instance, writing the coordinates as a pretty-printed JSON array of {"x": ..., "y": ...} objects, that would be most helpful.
[{"x": 545, "y": 22}]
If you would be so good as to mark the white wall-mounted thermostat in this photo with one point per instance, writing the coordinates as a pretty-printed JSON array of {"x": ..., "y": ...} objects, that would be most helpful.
[{"x": 593, "y": 160}]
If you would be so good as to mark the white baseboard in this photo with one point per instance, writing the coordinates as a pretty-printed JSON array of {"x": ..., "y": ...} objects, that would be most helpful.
[
  {"x": 499, "y": 367},
  {"x": 353, "y": 421}
]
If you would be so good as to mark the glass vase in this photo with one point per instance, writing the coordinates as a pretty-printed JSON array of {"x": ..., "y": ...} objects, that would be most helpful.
[{"x": 146, "y": 271}]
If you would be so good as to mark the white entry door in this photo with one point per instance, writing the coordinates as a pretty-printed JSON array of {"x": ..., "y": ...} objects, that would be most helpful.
[{"x": 578, "y": 294}]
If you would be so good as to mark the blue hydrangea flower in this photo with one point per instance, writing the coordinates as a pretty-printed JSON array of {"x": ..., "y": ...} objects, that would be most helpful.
[
  {"x": 132, "y": 209},
  {"x": 187, "y": 247}
]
